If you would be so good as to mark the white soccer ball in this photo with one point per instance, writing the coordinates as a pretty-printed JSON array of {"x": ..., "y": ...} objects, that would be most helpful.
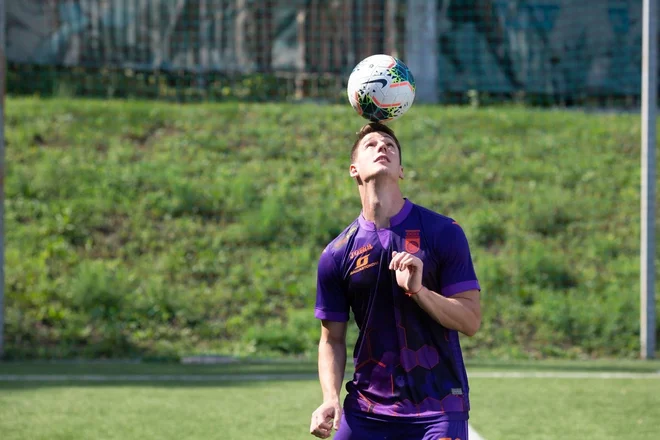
[{"x": 381, "y": 88}]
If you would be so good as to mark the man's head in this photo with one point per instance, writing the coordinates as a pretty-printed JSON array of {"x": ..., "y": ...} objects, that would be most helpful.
[{"x": 376, "y": 152}]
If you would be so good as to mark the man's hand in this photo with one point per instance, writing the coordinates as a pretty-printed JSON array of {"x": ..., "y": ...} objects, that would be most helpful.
[
  {"x": 408, "y": 271},
  {"x": 323, "y": 418}
]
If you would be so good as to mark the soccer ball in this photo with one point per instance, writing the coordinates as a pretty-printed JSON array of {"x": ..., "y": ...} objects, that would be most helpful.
[{"x": 381, "y": 88}]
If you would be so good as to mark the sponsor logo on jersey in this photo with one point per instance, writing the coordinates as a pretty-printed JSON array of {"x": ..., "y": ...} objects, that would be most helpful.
[
  {"x": 362, "y": 263},
  {"x": 360, "y": 251},
  {"x": 412, "y": 241}
]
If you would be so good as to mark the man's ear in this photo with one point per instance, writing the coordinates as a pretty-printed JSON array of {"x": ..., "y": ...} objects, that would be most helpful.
[
  {"x": 353, "y": 171},
  {"x": 401, "y": 172}
]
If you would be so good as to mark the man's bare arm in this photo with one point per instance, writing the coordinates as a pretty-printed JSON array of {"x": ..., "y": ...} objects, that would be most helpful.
[
  {"x": 460, "y": 312},
  {"x": 332, "y": 358},
  {"x": 332, "y": 363}
]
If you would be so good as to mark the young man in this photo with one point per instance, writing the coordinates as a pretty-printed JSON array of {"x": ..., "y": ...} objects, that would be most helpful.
[{"x": 407, "y": 275}]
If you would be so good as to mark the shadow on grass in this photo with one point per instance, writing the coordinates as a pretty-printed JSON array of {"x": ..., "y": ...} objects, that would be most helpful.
[
  {"x": 119, "y": 368},
  {"x": 243, "y": 382},
  {"x": 64, "y": 374},
  {"x": 26, "y": 375}
]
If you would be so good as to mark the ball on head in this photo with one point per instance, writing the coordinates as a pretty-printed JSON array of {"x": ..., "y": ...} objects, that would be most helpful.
[{"x": 381, "y": 88}]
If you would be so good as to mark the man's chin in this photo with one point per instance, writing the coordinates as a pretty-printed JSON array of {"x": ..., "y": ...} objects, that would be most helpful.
[{"x": 382, "y": 174}]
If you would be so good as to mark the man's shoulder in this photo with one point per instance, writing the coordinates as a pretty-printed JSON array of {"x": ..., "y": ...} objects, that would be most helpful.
[
  {"x": 432, "y": 220},
  {"x": 342, "y": 240},
  {"x": 443, "y": 233}
]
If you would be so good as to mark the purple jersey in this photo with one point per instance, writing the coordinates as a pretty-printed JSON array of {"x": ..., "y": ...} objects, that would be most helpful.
[{"x": 407, "y": 365}]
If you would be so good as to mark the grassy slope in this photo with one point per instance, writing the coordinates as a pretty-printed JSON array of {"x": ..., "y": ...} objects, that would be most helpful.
[{"x": 143, "y": 227}]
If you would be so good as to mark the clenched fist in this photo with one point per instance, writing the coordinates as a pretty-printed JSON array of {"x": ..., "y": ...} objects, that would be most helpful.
[{"x": 325, "y": 418}]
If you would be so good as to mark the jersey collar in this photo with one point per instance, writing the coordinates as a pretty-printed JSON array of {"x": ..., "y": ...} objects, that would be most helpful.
[{"x": 397, "y": 219}]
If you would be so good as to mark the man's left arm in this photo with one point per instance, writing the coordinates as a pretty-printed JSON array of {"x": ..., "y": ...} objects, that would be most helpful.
[
  {"x": 461, "y": 312},
  {"x": 457, "y": 306}
]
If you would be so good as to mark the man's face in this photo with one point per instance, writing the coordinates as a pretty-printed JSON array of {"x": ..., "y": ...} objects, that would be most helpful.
[{"x": 376, "y": 156}]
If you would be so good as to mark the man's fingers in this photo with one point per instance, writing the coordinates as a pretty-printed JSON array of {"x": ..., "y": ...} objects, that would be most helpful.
[
  {"x": 410, "y": 261},
  {"x": 396, "y": 259},
  {"x": 320, "y": 433},
  {"x": 396, "y": 256},
  {"x": 324, "y": 422},
  {"x": 337, "y": 418},
  {"x": 324, "y": 419},
  {"x": 401, "y": 261},
  {"x": 405, "y": 262},
  {"x": 322, "y": 430}
]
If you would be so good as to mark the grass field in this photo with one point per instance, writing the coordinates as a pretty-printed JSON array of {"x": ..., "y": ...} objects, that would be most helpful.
[{"x": 503, "y": 408}]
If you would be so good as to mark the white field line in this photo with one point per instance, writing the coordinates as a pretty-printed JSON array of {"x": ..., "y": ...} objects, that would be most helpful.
[
  {"x": 473, "y": 435},
  {"x": 562, "y": 375}
]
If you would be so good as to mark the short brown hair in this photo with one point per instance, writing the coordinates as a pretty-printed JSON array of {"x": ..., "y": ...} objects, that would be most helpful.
[{"x": 374, "y": 127}]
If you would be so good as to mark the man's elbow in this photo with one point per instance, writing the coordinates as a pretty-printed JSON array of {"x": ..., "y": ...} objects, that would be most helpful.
[
  {"x": 473, "y": 326},
  {"x": 472, "y": 312}
]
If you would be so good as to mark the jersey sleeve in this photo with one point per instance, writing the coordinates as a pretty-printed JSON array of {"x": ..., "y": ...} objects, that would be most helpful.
[
  {"x": 331, "y": 301},
  {"x": 456, "y": 268}
]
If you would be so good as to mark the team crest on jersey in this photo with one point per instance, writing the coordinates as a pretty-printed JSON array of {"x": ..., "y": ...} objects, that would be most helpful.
[{"x": 412, "y": 241}]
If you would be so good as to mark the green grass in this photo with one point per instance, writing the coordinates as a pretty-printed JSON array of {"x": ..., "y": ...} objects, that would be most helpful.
[
  {"x": 158, "y": 411},
  {"x": 547, "y": 409},
  {"x": 502, "y": 408},
  {"x": 145, "y": 229}
]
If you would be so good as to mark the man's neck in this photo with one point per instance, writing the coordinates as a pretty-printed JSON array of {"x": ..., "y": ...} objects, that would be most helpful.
[{"x": 380, "y": 204}]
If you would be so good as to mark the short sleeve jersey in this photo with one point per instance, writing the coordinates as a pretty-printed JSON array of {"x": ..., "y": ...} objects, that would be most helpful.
[{"x": 407, "y": 365}]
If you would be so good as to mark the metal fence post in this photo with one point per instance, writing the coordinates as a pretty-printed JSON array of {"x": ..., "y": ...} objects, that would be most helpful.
[
  {"x": 422, "y": 48},
  {"x": 648, "y": 114},
  {"x": 2, "y": 175}
]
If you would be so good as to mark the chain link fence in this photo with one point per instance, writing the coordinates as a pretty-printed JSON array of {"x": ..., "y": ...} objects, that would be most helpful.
[{"x": 560, "y": 52}]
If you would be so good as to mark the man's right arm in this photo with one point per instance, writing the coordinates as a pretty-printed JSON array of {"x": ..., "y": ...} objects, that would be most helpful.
[
  {"x": 332, "y": 362},
  {"x": 333, "y": 311},
  {"x": 332, "y": 358}
]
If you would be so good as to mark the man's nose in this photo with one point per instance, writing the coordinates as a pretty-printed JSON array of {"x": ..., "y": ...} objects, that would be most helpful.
[{"x": 382, "y": 146}]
